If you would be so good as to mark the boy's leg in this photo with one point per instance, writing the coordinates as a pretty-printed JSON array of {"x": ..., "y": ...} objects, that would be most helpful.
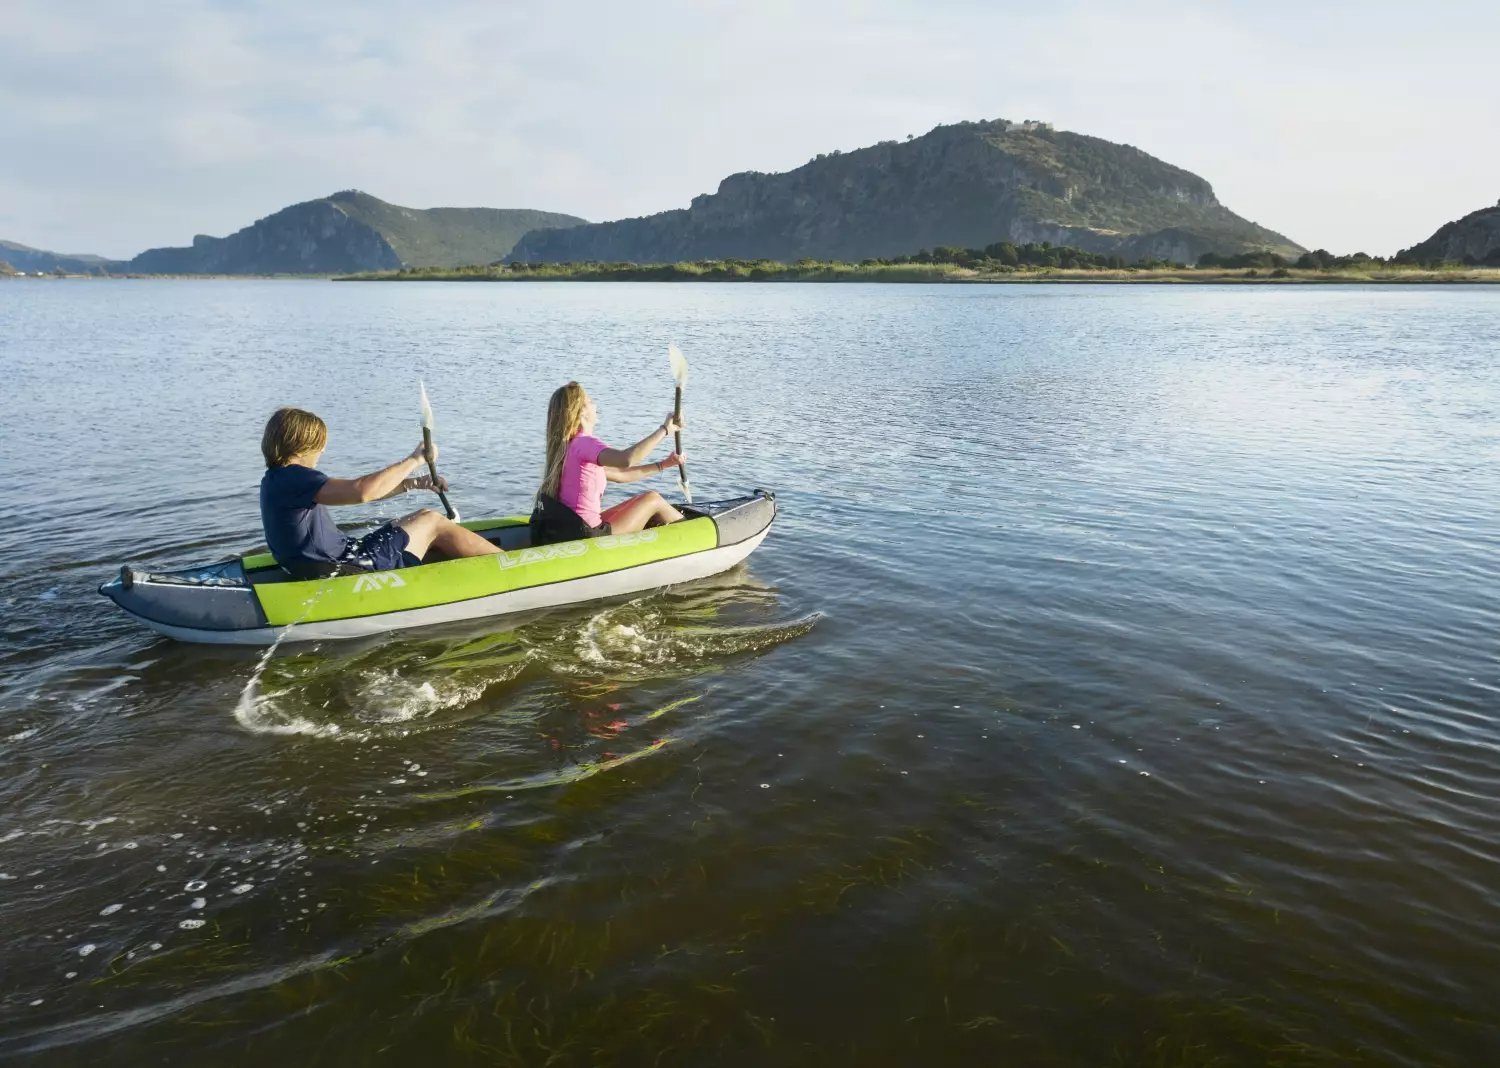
[{"x": 430, "y": 532}]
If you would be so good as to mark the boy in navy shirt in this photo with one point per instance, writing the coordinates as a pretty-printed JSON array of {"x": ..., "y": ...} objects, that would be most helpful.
[{"x": 294, "y": 496}]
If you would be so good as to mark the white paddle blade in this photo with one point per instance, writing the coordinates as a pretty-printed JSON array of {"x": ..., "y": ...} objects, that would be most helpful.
[
  {"x": 426, "y": 407},
  {"x": 687, "y": 490},
  {"x": 679, "y": 364}
]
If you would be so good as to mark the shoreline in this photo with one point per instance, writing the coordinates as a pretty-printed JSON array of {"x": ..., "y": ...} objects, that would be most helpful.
[
  {"x": 924, "y": 274},
  {"x": 945, "y": 274}
]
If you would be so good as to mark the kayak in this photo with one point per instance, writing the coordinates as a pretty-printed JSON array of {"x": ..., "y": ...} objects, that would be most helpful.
[{"x": 249, "y": 600}]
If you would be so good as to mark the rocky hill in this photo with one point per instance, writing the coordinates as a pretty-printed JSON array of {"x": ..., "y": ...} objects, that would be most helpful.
[
  {"x": 353, "y": 231},
  {"x": 965, "y": 185},
  {"x": 28, "y": 259},
  {"x": 1474, "y": 239}
]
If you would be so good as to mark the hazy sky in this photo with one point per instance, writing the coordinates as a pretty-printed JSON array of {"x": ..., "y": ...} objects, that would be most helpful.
[{"x": 122, "y": 126}]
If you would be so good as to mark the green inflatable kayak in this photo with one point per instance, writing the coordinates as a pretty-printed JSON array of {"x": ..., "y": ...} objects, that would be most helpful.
[{"x": 248, "y": 600}]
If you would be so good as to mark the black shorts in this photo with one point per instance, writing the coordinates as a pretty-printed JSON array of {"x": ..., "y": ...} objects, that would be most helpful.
[
  {"x": 552, "y": 522},
  {"x": 383, "y": 549}
]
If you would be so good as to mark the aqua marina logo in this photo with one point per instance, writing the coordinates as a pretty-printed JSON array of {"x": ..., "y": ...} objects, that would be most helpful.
[{"x": 378, "y": 580}]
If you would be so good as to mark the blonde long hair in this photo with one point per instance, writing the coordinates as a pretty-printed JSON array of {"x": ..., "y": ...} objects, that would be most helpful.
[{"x": 564, "y": 421}]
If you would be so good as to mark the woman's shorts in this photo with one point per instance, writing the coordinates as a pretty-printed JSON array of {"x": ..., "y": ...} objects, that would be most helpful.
[
  {"x": 383, "y": 549},
  {"x": 552, "y": 522}
]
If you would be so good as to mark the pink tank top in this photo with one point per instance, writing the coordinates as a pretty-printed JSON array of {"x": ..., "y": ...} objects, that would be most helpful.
[{"x": 582, "y": 485}]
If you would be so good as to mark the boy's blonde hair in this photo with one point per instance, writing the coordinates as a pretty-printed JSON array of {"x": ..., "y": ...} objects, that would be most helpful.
[{"x": 291, "y": 432}]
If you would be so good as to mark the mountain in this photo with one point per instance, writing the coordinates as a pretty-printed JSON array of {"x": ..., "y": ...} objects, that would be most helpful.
[
  {"x": 966, "y": 185},
  {"x": 28, "y": 259},
  {"x": 1473, "y": 239},
  {"x": 353, "y": 231}
]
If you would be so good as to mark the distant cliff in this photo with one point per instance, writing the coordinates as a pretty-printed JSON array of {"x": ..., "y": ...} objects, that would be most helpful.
[
  {"x": 1474, "y": 239},
  {"x": 33, "y": 260},
  {"x": 352, "y": 231},
  {"x": 965, "y": 185}
]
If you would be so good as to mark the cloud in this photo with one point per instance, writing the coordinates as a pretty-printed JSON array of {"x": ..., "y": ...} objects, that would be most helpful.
[{"x": 1339, "y": 125}]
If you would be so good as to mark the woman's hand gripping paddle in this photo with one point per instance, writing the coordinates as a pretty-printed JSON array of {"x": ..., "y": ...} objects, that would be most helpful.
[
  {"x": 427, "y": 441},
  {"x": 679, "y": 372}
]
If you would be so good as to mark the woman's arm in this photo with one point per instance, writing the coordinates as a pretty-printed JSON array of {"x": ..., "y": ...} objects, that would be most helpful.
[
  {"x": 374, "y": 486},
  {"x": 635, "y": 474},
  {"x": 624, "y": 458}
]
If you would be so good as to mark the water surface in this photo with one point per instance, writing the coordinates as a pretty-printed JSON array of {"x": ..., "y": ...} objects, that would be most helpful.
[{"x": 1118, "y": 686}]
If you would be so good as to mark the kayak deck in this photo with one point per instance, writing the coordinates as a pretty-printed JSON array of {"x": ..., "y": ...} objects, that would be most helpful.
[{"x": 249, "y": 600}]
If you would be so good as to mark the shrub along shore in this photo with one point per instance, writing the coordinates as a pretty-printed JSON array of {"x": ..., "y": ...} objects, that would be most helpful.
[{"x": 1000, "y": 262}]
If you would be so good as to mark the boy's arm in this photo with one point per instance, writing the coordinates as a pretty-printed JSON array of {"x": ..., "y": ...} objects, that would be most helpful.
[
  {"x": 417, "y": 482},
  {"x": 374, "y": 486}
]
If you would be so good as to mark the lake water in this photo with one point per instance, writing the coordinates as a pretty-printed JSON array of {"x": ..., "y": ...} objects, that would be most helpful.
[{"x": 1119, "y": 686}]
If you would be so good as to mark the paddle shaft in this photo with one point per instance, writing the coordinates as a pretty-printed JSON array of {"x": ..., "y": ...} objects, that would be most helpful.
[
  {"x": 677, "y": 438},
  {"x": 432, "y": 467}
]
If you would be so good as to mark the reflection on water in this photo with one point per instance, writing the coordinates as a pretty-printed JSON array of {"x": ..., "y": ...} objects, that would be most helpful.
[
  {"x": 1118, "y": 686},
  {"x": 426, "y": 681}
]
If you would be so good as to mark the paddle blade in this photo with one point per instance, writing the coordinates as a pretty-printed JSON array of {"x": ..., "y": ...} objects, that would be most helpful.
[
  {"x": 426, "y": 406},
  {"x": 687, "y": 489},
  {"x": 679, "y": 364}
]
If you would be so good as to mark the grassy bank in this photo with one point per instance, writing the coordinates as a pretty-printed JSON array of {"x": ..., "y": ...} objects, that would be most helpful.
[{"x": 818, "y": 271}]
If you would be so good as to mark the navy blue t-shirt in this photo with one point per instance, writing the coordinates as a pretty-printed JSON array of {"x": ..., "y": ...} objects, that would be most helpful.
[{"x": 300, "y": 532}]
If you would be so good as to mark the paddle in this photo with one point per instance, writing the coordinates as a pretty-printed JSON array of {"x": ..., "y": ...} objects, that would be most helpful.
[
  {"x": 427, "y": 441},
  {"x": 679, "y": 372}
]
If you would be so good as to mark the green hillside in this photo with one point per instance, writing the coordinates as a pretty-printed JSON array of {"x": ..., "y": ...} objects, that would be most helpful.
[
  {"x": 447, "y": 237},
  {"x": 25, "y": 258},
  {"x": 967, "y": 185},
  {"x": 352, "y": 231}
]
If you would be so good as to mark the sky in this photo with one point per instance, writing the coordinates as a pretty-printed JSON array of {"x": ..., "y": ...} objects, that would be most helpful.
[{"x": 1348, "y": 126}]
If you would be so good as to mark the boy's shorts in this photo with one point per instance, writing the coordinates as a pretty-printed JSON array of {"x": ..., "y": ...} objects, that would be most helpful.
[{"x": 383, "y": 549}]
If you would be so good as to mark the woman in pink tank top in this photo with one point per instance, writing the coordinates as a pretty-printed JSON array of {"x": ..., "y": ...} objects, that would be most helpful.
[{"x": 579, "y": 465}]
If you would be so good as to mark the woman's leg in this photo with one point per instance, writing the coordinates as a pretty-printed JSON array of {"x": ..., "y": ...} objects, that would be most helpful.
[{"x": 641, "y": 511}]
